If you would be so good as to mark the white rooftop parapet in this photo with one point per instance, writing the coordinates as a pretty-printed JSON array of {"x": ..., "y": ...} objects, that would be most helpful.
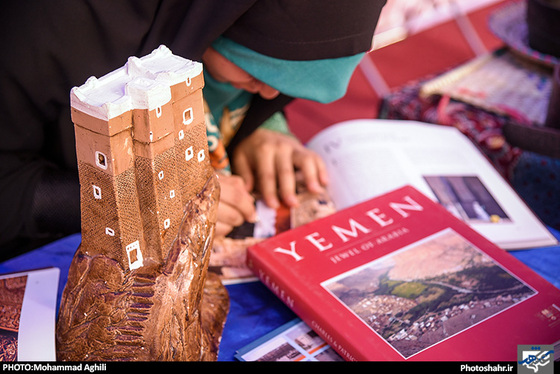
[{"x": 142, "y": 83}]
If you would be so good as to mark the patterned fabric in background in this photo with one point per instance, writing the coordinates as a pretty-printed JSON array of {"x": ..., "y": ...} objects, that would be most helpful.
[{"x": 536, "y": 178}]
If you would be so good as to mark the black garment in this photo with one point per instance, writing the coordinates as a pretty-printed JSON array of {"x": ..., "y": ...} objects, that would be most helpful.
[
  {"x": 50, "y": 46},
  {"x": 307, "y": 29}
]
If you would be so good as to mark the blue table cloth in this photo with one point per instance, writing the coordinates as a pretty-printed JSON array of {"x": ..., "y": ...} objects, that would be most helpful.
[{"x": 254, "y": 310}]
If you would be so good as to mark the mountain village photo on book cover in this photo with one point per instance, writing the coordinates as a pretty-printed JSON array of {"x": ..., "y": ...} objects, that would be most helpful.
[
  {"x": 414, "y": 308},
  {"x": 398, "y": 277}
]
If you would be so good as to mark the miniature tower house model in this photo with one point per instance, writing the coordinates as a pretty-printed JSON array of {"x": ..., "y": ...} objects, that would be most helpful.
[{"x": 148, "y": 201}]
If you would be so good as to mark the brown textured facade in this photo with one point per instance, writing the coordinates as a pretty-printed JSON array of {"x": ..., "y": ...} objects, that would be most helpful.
[{"x": 148, "y": 199}]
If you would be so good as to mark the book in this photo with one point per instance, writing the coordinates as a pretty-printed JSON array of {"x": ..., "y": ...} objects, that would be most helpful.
[
  {"x": 366, "y": 158},
  {"x": 398, "y": 277},
  {"x": 293, "y": 341},
  {"x": 522, "y": 90},
  {"x": 28, "y": 315}
]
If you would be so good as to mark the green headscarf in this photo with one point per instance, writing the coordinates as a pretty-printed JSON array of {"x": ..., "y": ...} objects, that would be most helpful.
[{"x": 323, "y": 80}]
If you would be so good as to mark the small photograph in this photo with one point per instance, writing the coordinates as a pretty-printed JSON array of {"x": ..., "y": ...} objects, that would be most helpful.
[
  {"x": 295, "y": 341},
  {"x": 12, "y": 291},
  {"x": 283, "y": 352},
  {"x": 307, "y": 339},
  {"x": 228, "y": 258},
  {"x": 467, "y": 198},
  {"x": 427, "y": 292}
]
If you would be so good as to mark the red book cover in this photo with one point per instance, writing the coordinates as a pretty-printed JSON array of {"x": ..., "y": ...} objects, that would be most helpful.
[{"x": 399, "y": 278}]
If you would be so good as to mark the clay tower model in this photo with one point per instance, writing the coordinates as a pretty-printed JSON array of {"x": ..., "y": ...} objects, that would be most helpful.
[{"x": 138, "y": 287}]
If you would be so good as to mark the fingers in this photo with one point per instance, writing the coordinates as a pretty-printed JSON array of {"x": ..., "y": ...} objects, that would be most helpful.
[
  {"x": 268, "y": 162},
  {"x": 244, "y": 170},
  {"x": 236, "y": 205},
  {"x": 256, "y": 164},
  {"x": 265, "y": 171},
  {"x": 314, "y": 171},
  {"x": 222, "y": 229},
  {"x": 286, "y": 175},
  {"x": 277, "y": 174},
  {"x": 228, "y": 218},
  {"x": 234, "y": 193}
]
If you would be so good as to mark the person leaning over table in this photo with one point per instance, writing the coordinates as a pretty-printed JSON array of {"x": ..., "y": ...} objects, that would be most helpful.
[{"x": 257, "y": 55}]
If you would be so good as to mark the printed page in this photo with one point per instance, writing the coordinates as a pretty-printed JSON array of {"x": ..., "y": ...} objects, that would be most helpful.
[
  {"x": 294, "y": 341},
  {"x": 27, "y": 331},
  {"x": 366, "y": 158}
]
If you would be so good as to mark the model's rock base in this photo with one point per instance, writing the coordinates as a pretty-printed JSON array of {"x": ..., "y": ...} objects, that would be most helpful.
[{"x": 168, "y": 310}]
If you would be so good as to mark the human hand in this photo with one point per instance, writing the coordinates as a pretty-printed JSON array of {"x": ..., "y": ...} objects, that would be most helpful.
[
  {"x": 268, "y": 160},
  {"x": 236, "y": 205}
]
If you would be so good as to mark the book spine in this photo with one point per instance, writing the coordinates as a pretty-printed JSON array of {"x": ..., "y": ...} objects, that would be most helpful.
[{"x": 294, "y": 296}]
